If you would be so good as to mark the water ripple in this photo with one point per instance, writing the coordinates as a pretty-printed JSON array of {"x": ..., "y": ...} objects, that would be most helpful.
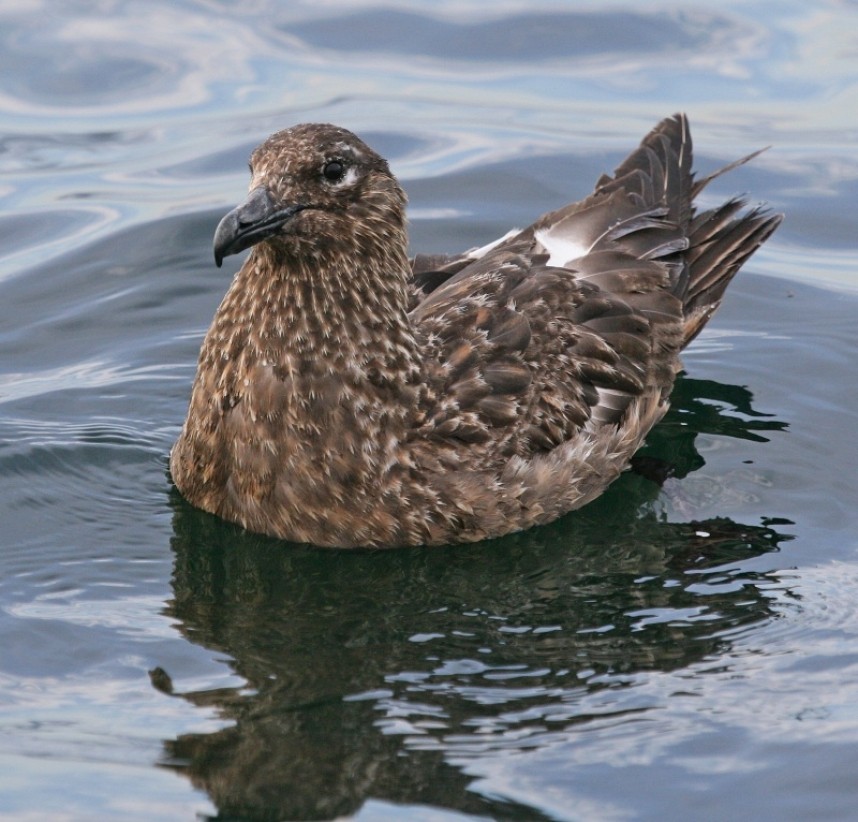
[{"x": 642, "y": 652}]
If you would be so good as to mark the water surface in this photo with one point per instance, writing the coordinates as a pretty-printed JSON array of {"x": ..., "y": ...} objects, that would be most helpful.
[{"x": 679, "y": 649}]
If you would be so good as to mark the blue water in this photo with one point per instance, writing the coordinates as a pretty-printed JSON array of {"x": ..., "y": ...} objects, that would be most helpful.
[{"x": 678, "y": 651}]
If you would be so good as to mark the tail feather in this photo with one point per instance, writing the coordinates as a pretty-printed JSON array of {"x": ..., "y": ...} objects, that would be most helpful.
[
  {"x": 721, "y": 240},
  {"x": 661, "y": 167},
  {"x": 699, "y": 185},
  {"x": 704, "y": 250}
]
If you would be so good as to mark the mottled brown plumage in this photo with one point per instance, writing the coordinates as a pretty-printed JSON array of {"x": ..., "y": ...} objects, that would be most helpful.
[{"x": 347, "y": 396}]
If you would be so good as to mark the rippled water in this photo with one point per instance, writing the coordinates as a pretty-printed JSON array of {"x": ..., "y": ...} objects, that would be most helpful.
[{"x": 674, "y": 652}]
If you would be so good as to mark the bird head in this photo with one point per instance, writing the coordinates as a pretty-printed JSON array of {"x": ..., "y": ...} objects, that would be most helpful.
[{"x": 313, "y": 187}]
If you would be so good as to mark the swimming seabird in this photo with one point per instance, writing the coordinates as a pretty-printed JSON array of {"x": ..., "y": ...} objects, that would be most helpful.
[{"x": 348, "y": 396}]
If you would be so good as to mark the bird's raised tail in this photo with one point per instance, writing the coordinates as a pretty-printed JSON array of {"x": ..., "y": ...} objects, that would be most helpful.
[
  {"x": 720, "y": 240},
  {"x": 716, "y": 242}
]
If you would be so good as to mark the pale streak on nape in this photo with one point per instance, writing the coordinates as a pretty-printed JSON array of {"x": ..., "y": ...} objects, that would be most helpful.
[
  {"x": 561, "y": 248},
  {"x": 479, "y": 253}
]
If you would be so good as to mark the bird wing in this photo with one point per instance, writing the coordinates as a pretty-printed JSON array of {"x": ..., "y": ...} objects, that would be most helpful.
[
  {"x": 524, "y": 354},
  {"x": 559, "y": 327}
]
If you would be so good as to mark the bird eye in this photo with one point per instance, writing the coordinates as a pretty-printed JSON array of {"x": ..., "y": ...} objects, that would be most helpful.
[{"x": 333, "y": 171}]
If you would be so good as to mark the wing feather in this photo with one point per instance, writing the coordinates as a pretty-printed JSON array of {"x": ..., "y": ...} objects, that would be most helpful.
[{"x": 558, "y": 328}]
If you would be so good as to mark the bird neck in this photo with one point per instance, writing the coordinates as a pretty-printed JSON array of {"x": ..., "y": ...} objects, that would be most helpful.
[
  {"x": 329, "y": 324},
  {"x": 335, "y": 313}
]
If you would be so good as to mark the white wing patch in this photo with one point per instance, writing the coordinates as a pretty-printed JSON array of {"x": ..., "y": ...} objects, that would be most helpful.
[
  {"x": 561, "y": 248},
  {"x": 479, "y": 253}
]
